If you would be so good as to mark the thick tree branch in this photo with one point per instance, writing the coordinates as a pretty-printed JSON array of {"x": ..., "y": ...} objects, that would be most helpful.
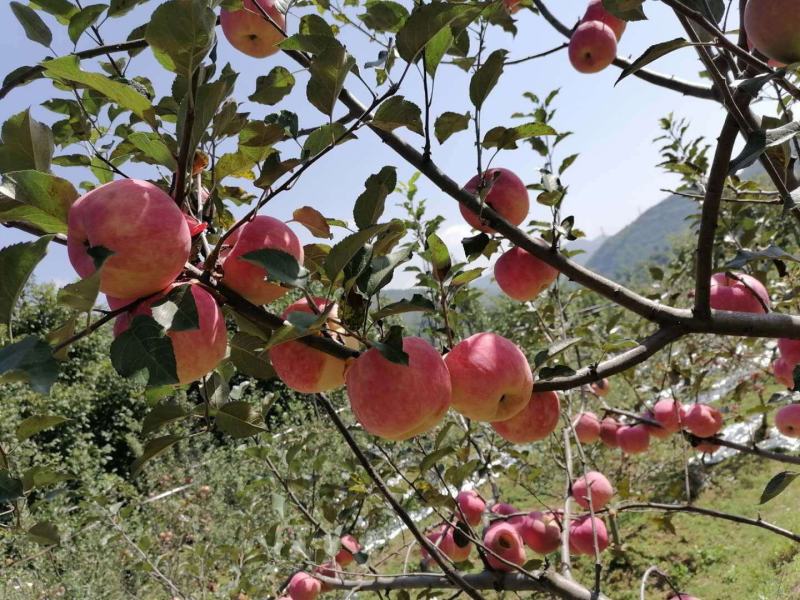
[{"x": 754, "y": 450}]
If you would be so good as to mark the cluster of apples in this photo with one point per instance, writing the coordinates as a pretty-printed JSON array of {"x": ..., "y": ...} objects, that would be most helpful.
[
  {"x": 671, "y": 416},
  {"x": 593, "y": 44},
  {"x": 304, "y": 586}
]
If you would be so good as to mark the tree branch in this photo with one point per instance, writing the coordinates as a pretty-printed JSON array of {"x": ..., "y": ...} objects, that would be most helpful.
[{"x": 754, "y": 450}]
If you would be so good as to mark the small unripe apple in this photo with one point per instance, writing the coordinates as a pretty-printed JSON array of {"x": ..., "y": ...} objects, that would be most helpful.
[
  {"x": 633, "y": 439},
  {"x": 790, "y": 350},
  {"x": 303, "y": 586},
  {"x": 141, "y": 226},
  {"x": 608, "y": 432},
  {"x": 667, "y": 411},
  {"x": 773, "y": 26},
  {"x": 784, "y": 372},
  {"x": 581, "y": 535},
  {"x": 600, "y": 388},
  {"x": 740, "y": 294},
  {"x": 522, "y": 276},
  {"x": 702, "y": 420},
  {"x": 471, "y": 506},
  {"x": 536, "y": 421},
  {"x": 592, "y": 47},
  {"x": 490, "y": 376},
  {"x": 303, "y": 368},
  {"x": 397, "y": 401},
  {"x": 597, "y": 12},
  {"x": 350, "y": 547},
  {"x": 594, "y": 485},
  {"x": 506, "y": 194},
  {"x": 249, "y": 32},
  {"x": 503, "y": 539},
  {"x": 787, "y": 420},
  {"x": 541, "y": 532},
  {"x": 655, "y": 431},
  {"x": 197, "y": 351},
  {"x": 249, "y": 279},
  {"x": 587, "y": 427}
]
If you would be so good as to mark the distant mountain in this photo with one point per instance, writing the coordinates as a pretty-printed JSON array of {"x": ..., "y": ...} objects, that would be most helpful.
[{"x": 648, "y": 239}]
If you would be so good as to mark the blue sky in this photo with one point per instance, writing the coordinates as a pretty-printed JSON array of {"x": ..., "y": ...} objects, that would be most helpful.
[{"x": 612, "y": 182}]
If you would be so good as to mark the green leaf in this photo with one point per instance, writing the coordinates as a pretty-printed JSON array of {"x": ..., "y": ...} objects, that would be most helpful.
[
  {"x": 466, "y": 277},
  {"x": 439, "y": 256},
  {"x": 17, "y": 262},
  {"x": 34, "y": 27},
  {"x": 44, "y": 533},
  {"x": 328, "y": 71},
  {"x": 177, "y": 311},
  {"x": 274, "y": 168},
  {"x": 398, "y": 112},
  {"x": 237, "y": 419},
  {"x": 10, "y": 487},
  {"x": 152, "y": 146},
  {"x": 436, "y": 48},
  {"x": 391, "y": 347},
  {"x": 37, "y": 423},
  {"x": 776, "y": 485},
  {"x": 426, "y": 21},
  {"x": 653, "y": 53},
  {"x": 208, "y": 99},
  {"x": 38, "y": 199},
  {"x": 370, "y": 204},
  {"x": 346, "y": 249},
  {"x": 384, "y": 16},
  {"x": 449, "y": 123},
  {"x": 555, "y": 371},
  {"x": 759, "y": 141},
  {"x": 273, "y": 87},
  {"x": 280, "y": 266},
  {"x": 381, "y": 271},
  {"x": 627, "y": 10},
  {"x": 417, "y": 303},
  {"x": 313, "y": 220},
  {"x": 61, "y": 9},
  {"x": 554, "y": 350},
  {"x": 27, "y": 144},
  {"x": 506, "y": 138},
  {"x": 486, "y": 77},
  {"x": 250, "y": 357},
  {"x": 161, "y": 415},
  {"x": 744, "y": 257},
  {"x": 68, "y": 68},
  {"x": 152, "y": 449},
  {"x": 40, "y": 477},
  {"x": 144, "y": 352},
  {"x": 474, "y": 246},
  {"x": 84, "y": 19},
  {"x": 29, "y": 360},
  {"x": 121, "y": 7},
  {"x": 323, "y": 137},
  {"x": 181, "y": 33}
]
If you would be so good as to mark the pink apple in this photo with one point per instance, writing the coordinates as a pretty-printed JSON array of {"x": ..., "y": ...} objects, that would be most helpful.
[
  {"x": 702, "y": 420},
  {"x": 633, "y": 439},
  {"x": 444, "y": 538},
  {"x": 471, "y": 506},
  {"x": 784, "y": 372},
  {"x": 504, "y": 192},
  {"x": 587, "y": 427},
  {"x": 592, "y": 47},
  {"x": 790, "y": 350},
  {"x": 491, "y": 378},
  {"x": 247, "y": 278},
  {"x": 303, "y": 586},
  {"x": 141, "y": 225},
  {"x": 667, "y": 411},
  {"x": 656, "y": 431},
  {"x": 522, "y": 276},
  {"x": 249, "y": 32},
  {"x": 581, "y": 535},
  {"x": 396, "y": 401},
  {"x": 536, "y": 421},
  {"x": 305, "y": 369},
  {"x": 740, "y": 294},
  {"x": 594, "y": 485},
  {"x": 597, "y": 12},
  {"x": 683, "y": 597},
  {"x": 541, "y": 532},
  {"x": 503, "y": 509},
  {"x": 773, "y": 26},
  {"x": 600, "y": 388},
  {"x": 608, "y": 432},
  {"x": 787, "y": 420},
  {"x": 503, "y": 540},
  {"x": 197, "y": 351},
  {"x": 350, "y": 547}
]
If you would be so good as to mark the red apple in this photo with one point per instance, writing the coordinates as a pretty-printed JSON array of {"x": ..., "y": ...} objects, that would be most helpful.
[
  {"x": 581, "y": 535},
  {"x": 471, "y": 506},
  {"x": 655, "y": 431},
  {"x": 504, "y": 192},
  {"x": 444, "y": 538},
  {"x": 597, "y": 12},
  {"x": 594, "y": 485},
  {"x": 702, "y": 420},
  {"x": 503, "y": 540},
  {"x": 587, "y": 427},
  {"x": 667, "y": 411},
  {"x": 350, "y": 547},
  {"x": 592, "y": 47},
  {"x": 633, "y": 439},
  {"x": 396, "y": 401},
  {"x": 773, "y": 26},
  {"x": 740, "y": 294},
  {"x": 608, "y": 432},
  {"x": 503, "y": 509},
  {"x": 249, "y": 32},
  {"x": 790, "y": 350},
  {"x": 536, "y": 421},
  {"x": 197, "y": 351},
  {"x": 784, "y": 372},
  {"x": 522, "y": 276},
  {"x": 541, "y": 532},
  {"x": 303, "y": 586},
  {"x": 143, "y": 228},
  {"x": 491, "y": 378},
  {"x": 787, "y": 420}
]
